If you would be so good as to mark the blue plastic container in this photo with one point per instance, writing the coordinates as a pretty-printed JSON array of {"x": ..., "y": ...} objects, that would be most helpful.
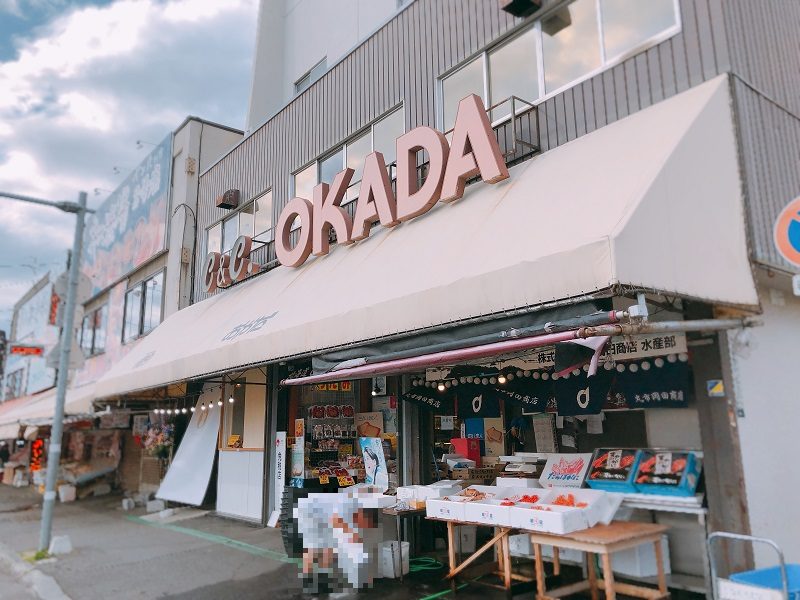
[
  {"x": 622, "y": 486},
  {"x": 685, "y": 487},
  {"x": 771, "y": 578}
]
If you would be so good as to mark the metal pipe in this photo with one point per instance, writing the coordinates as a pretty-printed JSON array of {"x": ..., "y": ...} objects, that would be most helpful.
[
  {"x": 393, "y": 367},
  {"x": 67, "y": 333}
]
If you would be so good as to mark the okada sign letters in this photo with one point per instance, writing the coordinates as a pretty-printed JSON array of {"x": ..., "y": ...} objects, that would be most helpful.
[{"x": 473, "y": 151}]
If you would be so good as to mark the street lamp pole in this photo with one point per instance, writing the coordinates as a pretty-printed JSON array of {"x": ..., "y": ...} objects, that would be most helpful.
[{"x": 54, "y": 450}]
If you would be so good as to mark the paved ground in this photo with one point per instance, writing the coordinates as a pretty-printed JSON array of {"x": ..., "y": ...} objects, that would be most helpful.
[{"x": 122, "y": 555}]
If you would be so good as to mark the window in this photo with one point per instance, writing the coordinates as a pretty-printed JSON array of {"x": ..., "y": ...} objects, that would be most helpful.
[
  {"x": 467, "y": 80},
  {"x": 380, "y": 136},
  {"x": 628, "y": 24},
  {"x": 233, "y": 415},
  {"x": 514, "y": 71},
  {"x": 570, "y": 44},
  {"x": 214, "y": 238},
  {"x": 230, "y": 231},
  {"x": 565, "y": 47},
  {"x": 143, "y": 307},
  {"x": 263, "y": 217},
  {"x": 14, "y": 384},
  {"x": 93, "y": 331},
  {"x": 317, "y": 71}
]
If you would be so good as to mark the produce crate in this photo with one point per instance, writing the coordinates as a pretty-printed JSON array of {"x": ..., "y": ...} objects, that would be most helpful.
[
  {"x": 667, "y": 473},
  {"x": 614, "y": 469}
]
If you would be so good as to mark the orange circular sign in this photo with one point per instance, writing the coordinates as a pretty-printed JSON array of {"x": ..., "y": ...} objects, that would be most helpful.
[{"x": 787, "y": 232}]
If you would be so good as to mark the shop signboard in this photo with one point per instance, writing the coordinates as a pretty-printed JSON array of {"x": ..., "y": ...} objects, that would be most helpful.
[
  {"x": 786, "y": 233},
  {"x": 298, "y": 454},
  {"x": 369, "y": 424},
  {"x": 430, "y": 399},
  {"x": 279, "y": 477},
  {"x": 667, "y": 386},
  {"x": 565, "y": 470},
  {"x": 129, "y": 228}
]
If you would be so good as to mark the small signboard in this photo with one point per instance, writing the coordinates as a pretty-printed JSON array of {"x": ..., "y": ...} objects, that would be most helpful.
[
  {"x": 25, "y": 350},
  {"x": 715, "y": 388},
  {"x": 565, "y": 470}
]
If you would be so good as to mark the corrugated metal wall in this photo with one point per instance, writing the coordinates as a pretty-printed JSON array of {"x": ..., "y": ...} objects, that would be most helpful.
[
  {"x": 401, "y": 63},
  {"x": 765, "y": 54}
]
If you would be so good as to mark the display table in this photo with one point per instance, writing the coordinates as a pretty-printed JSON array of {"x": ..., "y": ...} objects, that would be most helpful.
[
  {"x": 602, "y": 540},
  {"x": 500, "y": 567},
  {"x": 399, "y": 515}
]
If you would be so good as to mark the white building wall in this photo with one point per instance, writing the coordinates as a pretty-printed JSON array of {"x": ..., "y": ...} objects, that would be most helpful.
[
  {"x": 294, "y": 35},
  {"x": 764, "y": 361}
]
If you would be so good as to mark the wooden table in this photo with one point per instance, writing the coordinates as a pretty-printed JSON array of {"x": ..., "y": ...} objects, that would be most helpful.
[
  {"x": 602, "y": 540},
  {"x": 399, "y": 515},
  {"x": 500, "y": 567}
]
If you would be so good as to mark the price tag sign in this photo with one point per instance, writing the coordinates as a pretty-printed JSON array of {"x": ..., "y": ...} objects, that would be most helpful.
[
  {"x": 345, "y": 480},
  {"x": 323, "y": 479},
  {"x": 663, "y": 463},
  {"x": 614, "y": 459}
]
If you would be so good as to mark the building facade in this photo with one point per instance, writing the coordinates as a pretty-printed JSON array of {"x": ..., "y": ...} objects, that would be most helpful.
[{"x": 671, "y": 106}]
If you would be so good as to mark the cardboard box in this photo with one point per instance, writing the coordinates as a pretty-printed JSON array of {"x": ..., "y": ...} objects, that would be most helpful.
[
  {"x": 450, "y": 509},
  {"x": 460, "y": 463},
  {"x": 565, "y": 470},
  {"x": 549, "y": 519}
]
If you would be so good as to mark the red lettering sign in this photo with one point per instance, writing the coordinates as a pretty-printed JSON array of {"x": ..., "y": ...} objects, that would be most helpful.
[{"x": 20, "y": 350}]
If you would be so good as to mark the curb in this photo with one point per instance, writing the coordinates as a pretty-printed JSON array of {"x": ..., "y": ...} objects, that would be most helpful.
[{"x": 43, "y": 586}]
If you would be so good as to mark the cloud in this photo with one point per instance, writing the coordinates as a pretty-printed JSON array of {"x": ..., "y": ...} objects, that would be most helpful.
[{"x": 90, "y": 81}]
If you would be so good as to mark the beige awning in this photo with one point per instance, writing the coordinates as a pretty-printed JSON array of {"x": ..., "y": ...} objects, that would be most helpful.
[
  {"x": 40, "y": 408},
  {"x": 652, "y": 201}
]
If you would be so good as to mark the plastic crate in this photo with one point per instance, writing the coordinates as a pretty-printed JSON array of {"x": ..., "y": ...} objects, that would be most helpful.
[
  {"x": 625, "y": 485},
  {"x": 771, "y": 578},
  {"x": 685, "y": 480}
]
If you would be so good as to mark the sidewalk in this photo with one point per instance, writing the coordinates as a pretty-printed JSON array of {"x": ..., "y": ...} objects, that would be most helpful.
[{"x": 131, "y": 556}]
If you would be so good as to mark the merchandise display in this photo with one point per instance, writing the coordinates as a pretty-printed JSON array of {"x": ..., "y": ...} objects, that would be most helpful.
[
  {"x": 614, "y": 469},
  {"x": 668, "y": 473}
]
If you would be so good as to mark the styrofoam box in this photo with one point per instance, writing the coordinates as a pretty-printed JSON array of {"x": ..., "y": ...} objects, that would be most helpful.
[
  {"x": 558, "y": 519},
  {"x": 518, "y": 482},
  {"x": 467, "y": 535},
  {"x": 520, "y": 545},
  {"x": 445, "y": 483},
  {"x": 425, "y": 492},
  {"x": 641, "y": 560},
  {"x": 600, "y": 508},
  {"x": 451, "y": 509},
  {"x": 406, "y": 492},
  {"x": 490, "y": 512}
]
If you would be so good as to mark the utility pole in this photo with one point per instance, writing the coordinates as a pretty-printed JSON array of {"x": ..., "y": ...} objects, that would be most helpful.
[{"x": 54, "y": 451}]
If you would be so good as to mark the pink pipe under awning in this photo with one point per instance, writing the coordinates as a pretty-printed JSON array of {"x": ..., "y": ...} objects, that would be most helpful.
[{"x": 446, "y": 357}]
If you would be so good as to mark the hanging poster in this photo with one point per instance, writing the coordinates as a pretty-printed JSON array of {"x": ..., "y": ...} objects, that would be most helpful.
[
  {"x": 387, "y": 405},
  {"x": 374, "y": 462},
  {"x": 544, "y": 432},
  {"x": 369, "y": 424},
  {"x": 477, "y": 401},
  {"x": 430, "y": 399},
  {"x": 665, "y": 386},
  {"x": 582, "y": 395},
  {"x": 493, "y": 440}
]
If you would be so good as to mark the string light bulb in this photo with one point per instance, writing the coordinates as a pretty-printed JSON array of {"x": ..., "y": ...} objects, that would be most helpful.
[
  {"x": 203, "y": 406},
  {"x": 440, "y": 387},
  {"x": 183, "y": 410},
  {"x": 192, "y": 409},
  {"x": 501, "y": 379},
  {"x": 231, "y": 400},
  {"x": 219, "y": 402}
]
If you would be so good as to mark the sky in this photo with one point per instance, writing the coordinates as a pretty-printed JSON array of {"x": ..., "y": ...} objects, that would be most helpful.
[{"x": 80, "y": 83}]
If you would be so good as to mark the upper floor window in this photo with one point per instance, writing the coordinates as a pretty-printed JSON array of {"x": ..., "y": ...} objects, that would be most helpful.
[
  {"x": 379, "y": 137},
  {"x": 314, "y": 73},
  {"x": 253, "y": 220},
  {"x": 565, "y": 47},
  {"x": 93, "y": 331},
  {"x": 143, "y": 307}
]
